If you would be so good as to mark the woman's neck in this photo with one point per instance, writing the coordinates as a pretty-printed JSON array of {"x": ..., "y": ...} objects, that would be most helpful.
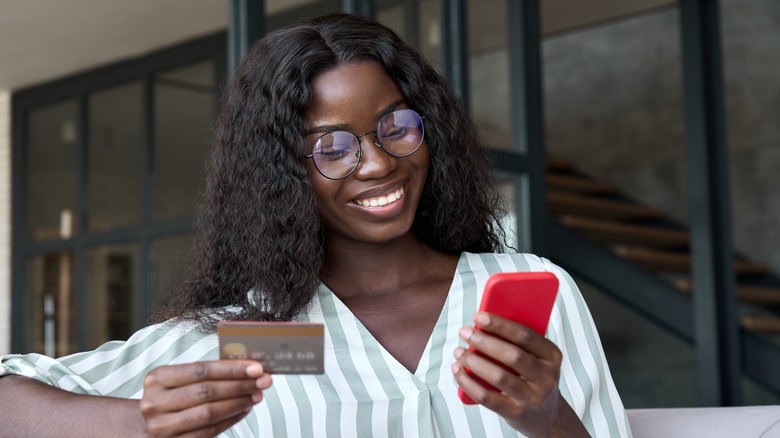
[{"x": 354, "y": 270}]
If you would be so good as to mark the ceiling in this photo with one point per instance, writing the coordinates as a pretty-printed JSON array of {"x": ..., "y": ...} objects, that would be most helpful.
[{"x": 41, "y": 40}]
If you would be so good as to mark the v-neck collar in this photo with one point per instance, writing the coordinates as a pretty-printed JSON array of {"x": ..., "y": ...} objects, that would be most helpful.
[{"x": 423, "y": 365}]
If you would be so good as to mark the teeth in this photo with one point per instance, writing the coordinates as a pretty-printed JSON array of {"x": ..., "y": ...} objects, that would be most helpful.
[{"x": 381, "y": 201}]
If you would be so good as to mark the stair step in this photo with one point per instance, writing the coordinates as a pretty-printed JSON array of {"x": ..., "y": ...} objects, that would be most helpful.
[
  {"x": 763, "y": 324},
  {"x": 619, "y": 232},
  {"x": 578, "y": 184},
  {"x": 746, "y": 293},
  {"x": 566, "y": 203},
  {"x": 672, "y": 261},
  {"x": 558, "y": 165}
]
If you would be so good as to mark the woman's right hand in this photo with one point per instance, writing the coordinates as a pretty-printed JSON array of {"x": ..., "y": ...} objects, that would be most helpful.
[{"x": 201, "y": 398}]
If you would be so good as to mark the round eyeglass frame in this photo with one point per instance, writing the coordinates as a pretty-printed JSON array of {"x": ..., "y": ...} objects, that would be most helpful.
[{"x": 377, "y": 142}]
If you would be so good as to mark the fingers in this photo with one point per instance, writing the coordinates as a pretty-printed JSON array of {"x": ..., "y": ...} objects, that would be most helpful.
[
  {"x": 173, "y": 376},
  {"x": 203, "y": 420},
  {"x": 197, "y": 399},
  {"x": 183, "y": 397},
  {"x": 494, "y": 400},
  {"x": 511, "y": 357},
  {"x": 485, "y": 372},
  {"x": 530, "y": 409},
  {"x": 518, "y": 334}
]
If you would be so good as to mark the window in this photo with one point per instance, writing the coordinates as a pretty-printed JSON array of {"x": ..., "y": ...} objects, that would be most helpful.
[{"x": 111, "y": 164}]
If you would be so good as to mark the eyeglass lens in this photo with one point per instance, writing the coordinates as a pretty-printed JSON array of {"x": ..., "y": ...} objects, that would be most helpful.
[{"x": 336, "y": 154}]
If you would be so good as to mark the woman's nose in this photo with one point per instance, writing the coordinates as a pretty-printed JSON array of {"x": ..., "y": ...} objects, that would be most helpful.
[{"x": 374, "y": 161}]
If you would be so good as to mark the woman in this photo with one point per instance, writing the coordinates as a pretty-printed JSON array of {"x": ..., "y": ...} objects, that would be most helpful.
[{"x": 338, "y": 116}]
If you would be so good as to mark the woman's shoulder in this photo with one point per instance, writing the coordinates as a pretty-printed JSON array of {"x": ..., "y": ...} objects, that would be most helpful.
[
  {"x": 493, "y": 262},
  {"x": 480, "y": 266}
]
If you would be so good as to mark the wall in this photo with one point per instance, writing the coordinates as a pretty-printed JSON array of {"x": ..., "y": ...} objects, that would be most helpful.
[
  {"x": 5, "y": 222},
  {"x": 614, "y": 107},
  {"x": 752, "y": 75}
]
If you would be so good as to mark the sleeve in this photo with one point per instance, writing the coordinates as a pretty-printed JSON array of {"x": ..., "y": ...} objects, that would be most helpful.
[
  {"x": 586, "y": 382},
  {"x": 45, "y": 370},
  {"x": 117, "y": 368}
]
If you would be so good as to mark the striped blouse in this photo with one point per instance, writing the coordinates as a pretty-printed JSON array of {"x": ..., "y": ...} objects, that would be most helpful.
[{"x": 364, "y": 390}]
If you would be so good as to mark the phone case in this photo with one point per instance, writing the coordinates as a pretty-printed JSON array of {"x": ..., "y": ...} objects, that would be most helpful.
[{"x": 523, "y": 297}]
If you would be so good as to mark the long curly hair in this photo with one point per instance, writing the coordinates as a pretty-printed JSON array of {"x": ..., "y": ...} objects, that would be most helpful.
[{"x": 257, "y": 229}]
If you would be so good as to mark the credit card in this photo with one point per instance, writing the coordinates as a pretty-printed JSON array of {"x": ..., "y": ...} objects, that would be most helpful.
[{"x": 282, "y": 347}]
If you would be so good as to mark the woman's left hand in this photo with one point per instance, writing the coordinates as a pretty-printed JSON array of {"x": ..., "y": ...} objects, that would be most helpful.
[{"x": 529, "y": 401}]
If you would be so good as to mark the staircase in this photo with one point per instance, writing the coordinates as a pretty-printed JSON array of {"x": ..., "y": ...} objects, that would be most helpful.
[{"x": 641, "y": 257}]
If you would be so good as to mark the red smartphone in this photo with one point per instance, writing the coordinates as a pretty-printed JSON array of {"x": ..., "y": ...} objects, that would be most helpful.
[{"x": 523, "y": 297}]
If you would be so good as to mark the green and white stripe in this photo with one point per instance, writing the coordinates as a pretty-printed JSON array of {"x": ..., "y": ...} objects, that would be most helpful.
[{"x": 365, "y": 391}]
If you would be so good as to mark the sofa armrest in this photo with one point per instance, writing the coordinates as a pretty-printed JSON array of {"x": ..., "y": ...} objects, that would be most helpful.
[{"x": 746, "y": 421}]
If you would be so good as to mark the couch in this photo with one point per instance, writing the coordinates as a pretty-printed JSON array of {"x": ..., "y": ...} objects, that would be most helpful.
[{"x": 731, "y": 422}]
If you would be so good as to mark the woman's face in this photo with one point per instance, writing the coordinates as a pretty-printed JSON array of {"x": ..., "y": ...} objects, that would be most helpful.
[{"x": 353, "y": 97}]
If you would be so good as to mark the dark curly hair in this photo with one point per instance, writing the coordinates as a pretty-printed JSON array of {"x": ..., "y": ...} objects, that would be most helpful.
[{"x": 256, "y": 229}]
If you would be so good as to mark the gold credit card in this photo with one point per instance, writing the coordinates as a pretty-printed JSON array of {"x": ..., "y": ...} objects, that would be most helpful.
[{"x": 282, "y": 347}]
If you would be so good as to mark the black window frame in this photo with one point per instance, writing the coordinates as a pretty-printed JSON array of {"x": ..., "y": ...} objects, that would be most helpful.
[{"x": 79, "y": 87}]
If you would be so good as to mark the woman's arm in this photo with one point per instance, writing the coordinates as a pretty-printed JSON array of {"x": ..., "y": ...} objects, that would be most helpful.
[
  {"x": 33, "y": 409},
  {"x": 199, "y": 399}
]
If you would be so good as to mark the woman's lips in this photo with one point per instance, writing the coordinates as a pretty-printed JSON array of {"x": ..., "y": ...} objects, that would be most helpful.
[{"x": 381, "y": 201}]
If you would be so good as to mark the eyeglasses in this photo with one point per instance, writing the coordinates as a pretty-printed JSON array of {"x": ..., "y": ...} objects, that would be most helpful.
[{"x": 337, "y": 154}]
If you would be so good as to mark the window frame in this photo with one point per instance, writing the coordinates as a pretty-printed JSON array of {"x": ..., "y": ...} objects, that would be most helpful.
[{"x": 79, "y": 87}]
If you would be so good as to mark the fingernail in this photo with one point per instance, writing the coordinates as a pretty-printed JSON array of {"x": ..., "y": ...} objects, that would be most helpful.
[
  {"x": 481, "y": 319},
  {"x": 466, "y": 332},
  {"x": 458, "y": 352},
  {"x": 256, "y": 397},
  {"x": 455, "y": 368},
  {"x": 254, "y": 370}
]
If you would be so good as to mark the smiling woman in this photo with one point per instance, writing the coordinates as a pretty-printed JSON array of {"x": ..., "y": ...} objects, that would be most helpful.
[{"x": 387, "y": 245}]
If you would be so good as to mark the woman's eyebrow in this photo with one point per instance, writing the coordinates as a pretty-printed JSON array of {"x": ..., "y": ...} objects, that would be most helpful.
[
  {"x": 322, "y": 129},
  {"x": 389, "y": 108}
]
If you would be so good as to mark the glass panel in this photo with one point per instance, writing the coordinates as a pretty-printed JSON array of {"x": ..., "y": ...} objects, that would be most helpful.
[
  {"x": 755, "y": 394},
  {"x": 751, "y": 65},
  {"x": 429, "y": 22},
  {"x": 614, "y": 114},
  {"x": 417, "y": 22},
  {"x": 115, "y": 151},
  {"x": 52, "y": 172},
  {"x": 614, "y": 106},
  {"x": 51, "y": 292},
  {"x": 280, "y": 13},
  {"x": 514, "y": 191},
  {"x": 394, "y": 15},
  {"x": 489, "y": 70},
  {"x": 170, "y": 254},
  {"x": 564, "y": 15},
  {"x": 651, "y": 367},
  {"x": 114, "y": 292},
  {"x": 184, "y": 115}
]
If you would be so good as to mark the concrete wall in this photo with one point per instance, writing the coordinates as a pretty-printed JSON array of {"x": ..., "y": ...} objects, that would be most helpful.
[
  {"x": 5, "y": 222},
  {"x": 752, "y": 72},
  {"x": 614, "y": 107}
]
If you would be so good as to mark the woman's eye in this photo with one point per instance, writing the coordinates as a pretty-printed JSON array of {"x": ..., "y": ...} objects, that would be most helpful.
[
  {"x": 396, "y": 132},
  {"x": 331, "y": 153}
]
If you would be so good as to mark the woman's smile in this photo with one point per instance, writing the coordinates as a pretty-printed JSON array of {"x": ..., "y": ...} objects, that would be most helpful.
[{"x": 381, "y": 201}]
